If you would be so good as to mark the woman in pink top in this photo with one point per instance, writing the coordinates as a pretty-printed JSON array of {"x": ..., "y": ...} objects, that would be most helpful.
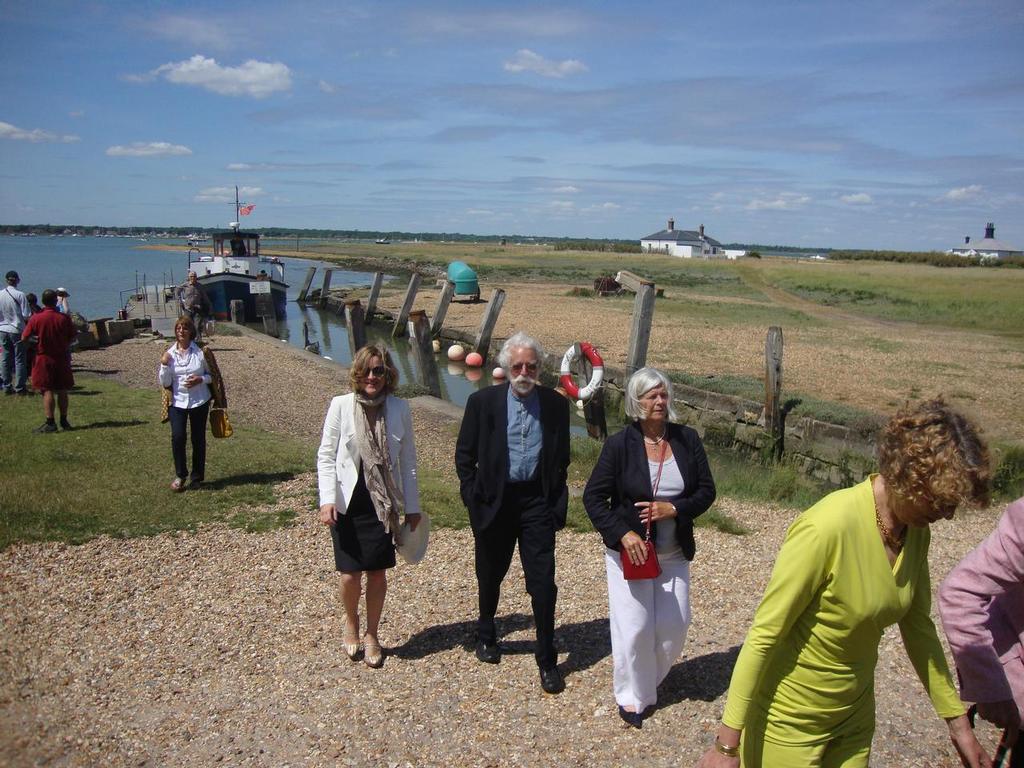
[{"x": 982, "y": 607}]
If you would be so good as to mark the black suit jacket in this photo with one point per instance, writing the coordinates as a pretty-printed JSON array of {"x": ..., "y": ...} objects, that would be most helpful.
[
  {"x": 481, "y": 453},
  {"x": 622, "y": 477}
]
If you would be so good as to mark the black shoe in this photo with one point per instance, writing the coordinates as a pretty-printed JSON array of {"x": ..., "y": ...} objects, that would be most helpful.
[
  {"x": 45, "y": 428},
  {"x": 195, "y": 484},
  {"x": 551, "y": 680},
  {"x": 65, "y": 425},
  {"x": 488, "y": 653},
  {"x": 632, "y": 719}
]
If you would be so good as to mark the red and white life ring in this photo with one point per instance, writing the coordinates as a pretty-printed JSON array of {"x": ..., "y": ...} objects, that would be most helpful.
[{"x": 565, "y": 373}]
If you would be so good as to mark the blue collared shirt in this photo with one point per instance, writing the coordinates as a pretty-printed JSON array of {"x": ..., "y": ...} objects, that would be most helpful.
[{"x": 524, "y": 437}]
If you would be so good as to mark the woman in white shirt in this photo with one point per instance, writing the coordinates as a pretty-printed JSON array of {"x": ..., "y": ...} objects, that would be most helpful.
[
  {"x": 183, "y": 368},
  {"x": 652, "y": 473}
]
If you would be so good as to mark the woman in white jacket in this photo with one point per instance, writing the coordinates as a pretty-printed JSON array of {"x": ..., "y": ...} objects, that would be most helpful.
[{"x": 367, "y": 474}]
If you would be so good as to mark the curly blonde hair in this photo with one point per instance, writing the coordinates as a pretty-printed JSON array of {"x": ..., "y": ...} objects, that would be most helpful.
[
  {"x": 361, "y": 364},
  {"x": 928, "y": 453}
]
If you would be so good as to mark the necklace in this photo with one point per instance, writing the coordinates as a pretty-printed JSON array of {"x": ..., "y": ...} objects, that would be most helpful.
[
  {"x": 895, "y": 542},
  {"x": 656, "y": 440}
]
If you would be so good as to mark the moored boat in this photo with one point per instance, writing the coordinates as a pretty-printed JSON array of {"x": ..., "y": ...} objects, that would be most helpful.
[{"x": 236, "y": 270}]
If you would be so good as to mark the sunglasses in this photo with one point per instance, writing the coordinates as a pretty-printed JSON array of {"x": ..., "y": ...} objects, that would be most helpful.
[
  {"x": 378, "y": 370},
  {"x": 520, "y": 367}
]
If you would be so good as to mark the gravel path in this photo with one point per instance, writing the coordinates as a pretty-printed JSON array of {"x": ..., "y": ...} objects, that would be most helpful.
[{"x": 222, "y": 647}]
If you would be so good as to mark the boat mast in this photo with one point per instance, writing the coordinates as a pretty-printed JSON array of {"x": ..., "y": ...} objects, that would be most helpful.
[{"x": 237, "y": 223}]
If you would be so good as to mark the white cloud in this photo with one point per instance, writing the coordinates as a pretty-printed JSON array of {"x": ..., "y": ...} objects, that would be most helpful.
[
  {"x": 964, "y": 193},
  {"x": 857, "y": 198},
  {"x": 610, "y": 206},
  {"x": 479, "y": 212},
  {"x": 257, "y": 79},
  {"x": 36, "y": 135},
  {"x": 787, "y": 201},
  {"x": 568, "y": 189},
  {"x": 562, "y": 205},
  {"x": 149, "y": 149},
  {"x": 526, "y": 60},
  {"x": 226, "y": 194},
  {"x": 326, "y": 87}
]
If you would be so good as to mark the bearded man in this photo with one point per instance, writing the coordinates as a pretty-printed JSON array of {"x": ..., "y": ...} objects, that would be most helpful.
[{"x": 512, "y": 456}]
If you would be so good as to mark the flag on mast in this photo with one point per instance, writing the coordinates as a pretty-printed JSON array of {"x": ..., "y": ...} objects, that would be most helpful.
[{"x": 245, "y": 210}]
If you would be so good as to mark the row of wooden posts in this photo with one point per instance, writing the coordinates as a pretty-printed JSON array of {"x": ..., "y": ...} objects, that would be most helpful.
[{"x": 422, "y": 331}]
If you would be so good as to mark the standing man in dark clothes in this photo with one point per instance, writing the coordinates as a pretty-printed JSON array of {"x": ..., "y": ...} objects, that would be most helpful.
[
  {"x": 51, "y": 372},
  {"x": 512, "y": 456}
]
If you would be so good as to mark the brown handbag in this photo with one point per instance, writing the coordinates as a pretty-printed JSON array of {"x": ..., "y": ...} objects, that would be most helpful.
[
  {"x": 650, "y": 568},
  {"x": 219, "y": 424}
]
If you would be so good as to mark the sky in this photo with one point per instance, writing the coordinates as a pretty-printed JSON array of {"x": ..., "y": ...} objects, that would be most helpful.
[{"x": 890, "y": 125}]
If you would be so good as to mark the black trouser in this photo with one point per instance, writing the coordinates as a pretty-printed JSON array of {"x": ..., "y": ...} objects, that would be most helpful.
[
  {"x": 196, "y": 420},
  {"x": 524, "y": 516}
]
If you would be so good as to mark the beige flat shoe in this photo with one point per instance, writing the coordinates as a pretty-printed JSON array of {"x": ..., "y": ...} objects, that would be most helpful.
[
  {"x": 351, "y": 647},
  {"x": 374, "y": 656}
]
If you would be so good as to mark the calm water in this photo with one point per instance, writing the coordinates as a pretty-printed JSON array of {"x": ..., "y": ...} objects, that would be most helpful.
[{"x": 99, "y": 272}]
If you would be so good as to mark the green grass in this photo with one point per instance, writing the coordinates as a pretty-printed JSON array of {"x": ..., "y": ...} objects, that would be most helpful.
[
  {"x": 976, "y": 299},
  {"x": 111, "y": 474}
]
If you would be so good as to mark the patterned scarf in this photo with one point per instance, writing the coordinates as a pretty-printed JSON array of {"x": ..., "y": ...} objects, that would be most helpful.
[{"x": 372, "y": 440}]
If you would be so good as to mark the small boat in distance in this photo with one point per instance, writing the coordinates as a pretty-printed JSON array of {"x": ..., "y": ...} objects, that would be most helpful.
[{"x": 383, "y": 241}]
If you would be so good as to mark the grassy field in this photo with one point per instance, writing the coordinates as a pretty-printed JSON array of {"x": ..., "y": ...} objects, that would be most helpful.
[{"x": 111, "y": 474}]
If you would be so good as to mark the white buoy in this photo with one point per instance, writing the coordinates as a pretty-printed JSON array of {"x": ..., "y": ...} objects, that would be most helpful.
[
  {"x": 436, "y": 345},
  {"x": 456, "y": 352},
  {"x": 498, "y": 373}
]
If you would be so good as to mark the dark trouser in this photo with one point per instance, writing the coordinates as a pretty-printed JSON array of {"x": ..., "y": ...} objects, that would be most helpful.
[
  {"x": 196, "y": 420},
  {"x": 524, "y": 516}
]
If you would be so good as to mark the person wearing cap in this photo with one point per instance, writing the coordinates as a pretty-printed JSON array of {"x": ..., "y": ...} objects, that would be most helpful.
[
  {"x": 51, "y": 372},
  {"x": 63, "y": 306},
  {"x": 14, "y": 313}
]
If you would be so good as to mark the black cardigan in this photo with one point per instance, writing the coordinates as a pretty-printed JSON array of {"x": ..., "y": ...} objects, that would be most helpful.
[{"x": 622, "y": 477}]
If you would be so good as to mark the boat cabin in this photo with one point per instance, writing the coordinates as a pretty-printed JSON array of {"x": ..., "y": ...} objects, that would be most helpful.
[{"x": 237, "y": 253}]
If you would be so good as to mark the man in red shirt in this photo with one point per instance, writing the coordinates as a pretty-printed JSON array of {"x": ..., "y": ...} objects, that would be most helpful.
[{"x": 51, "y": 372}]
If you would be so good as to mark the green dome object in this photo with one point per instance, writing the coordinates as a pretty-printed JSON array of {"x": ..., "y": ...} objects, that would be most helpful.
[{"x": 464, "y": 278}]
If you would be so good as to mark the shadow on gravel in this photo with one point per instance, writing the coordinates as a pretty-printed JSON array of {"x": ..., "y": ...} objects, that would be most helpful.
[
  {"x": 587, "y": 642},
  {"x": 110, "y": 424},
  {"x": 702, "y": 678},
  {"x": 444, "y": 637},
  {"x": 250, "y": 478}
]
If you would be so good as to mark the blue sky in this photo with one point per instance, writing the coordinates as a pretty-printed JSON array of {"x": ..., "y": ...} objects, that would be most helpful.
[{"x": 843, "y": 124}]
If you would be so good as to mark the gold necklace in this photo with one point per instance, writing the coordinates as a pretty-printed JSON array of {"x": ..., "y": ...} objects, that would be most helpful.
[
  {"x": 655, "y": 441},
  {"x": 895, "y": 543}
]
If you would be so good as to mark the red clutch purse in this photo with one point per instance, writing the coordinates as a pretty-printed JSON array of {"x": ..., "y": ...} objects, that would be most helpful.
[{"x": 650, "y": 568}]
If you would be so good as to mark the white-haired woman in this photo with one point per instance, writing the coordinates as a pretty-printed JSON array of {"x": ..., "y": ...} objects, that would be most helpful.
[{"x": 653, "y": 470}]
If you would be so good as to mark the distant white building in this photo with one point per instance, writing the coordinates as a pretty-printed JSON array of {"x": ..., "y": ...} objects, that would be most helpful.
[
  {"x": 685, "y": 243},
  {"x": 988, "y": 247}
]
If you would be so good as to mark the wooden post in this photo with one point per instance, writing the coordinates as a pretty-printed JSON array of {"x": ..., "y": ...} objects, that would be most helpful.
[
  {"x": 305, "y": 285},
  {"x": 483, "y": 336},
  {"x": 270, "y": 325},
  {"x": 354, "y": 321},
  {"x": 640, "y": 333},
  {"x": 442, "y": 307},
  {"x": 593, "y": 409},
  {"x": 423, "y": 350},
  {"x": 773, "y": 422},
  {"x": 371, "y": 303},
  {"x": 238, "y": 311},
  {"x": 410, "y": 296},
  {"x": 326, "y": 286}
]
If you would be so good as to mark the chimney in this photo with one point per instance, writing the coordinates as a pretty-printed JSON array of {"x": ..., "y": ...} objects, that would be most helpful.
[
  {"x": 701, "y": 231},
  {"x": 967, "y": 240},
  {"x": 671, "y": 224},
  {"x": 990, "y": 231}
]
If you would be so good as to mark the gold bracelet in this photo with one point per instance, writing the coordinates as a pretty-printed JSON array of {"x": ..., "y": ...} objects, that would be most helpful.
[{"x": 727, "y": 751}]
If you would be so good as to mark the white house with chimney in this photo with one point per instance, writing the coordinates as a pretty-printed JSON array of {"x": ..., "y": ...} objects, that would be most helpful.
[
  {"x": 988, "y": 247},
  {"x": 684, "y": 243}
]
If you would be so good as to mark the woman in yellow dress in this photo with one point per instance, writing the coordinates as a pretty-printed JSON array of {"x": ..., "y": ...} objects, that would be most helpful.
[{"x": 802, "y": 691}]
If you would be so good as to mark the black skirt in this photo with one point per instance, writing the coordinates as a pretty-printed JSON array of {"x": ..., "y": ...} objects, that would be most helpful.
[{"x": 360, "y": 541}]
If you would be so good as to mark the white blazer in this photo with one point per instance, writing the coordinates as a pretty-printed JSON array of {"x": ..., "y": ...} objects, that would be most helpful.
[{"x": 338, "y": 459}]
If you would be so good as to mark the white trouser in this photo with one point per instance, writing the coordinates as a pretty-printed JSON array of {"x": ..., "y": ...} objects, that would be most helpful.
[{"x": 649, "y": 619}]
